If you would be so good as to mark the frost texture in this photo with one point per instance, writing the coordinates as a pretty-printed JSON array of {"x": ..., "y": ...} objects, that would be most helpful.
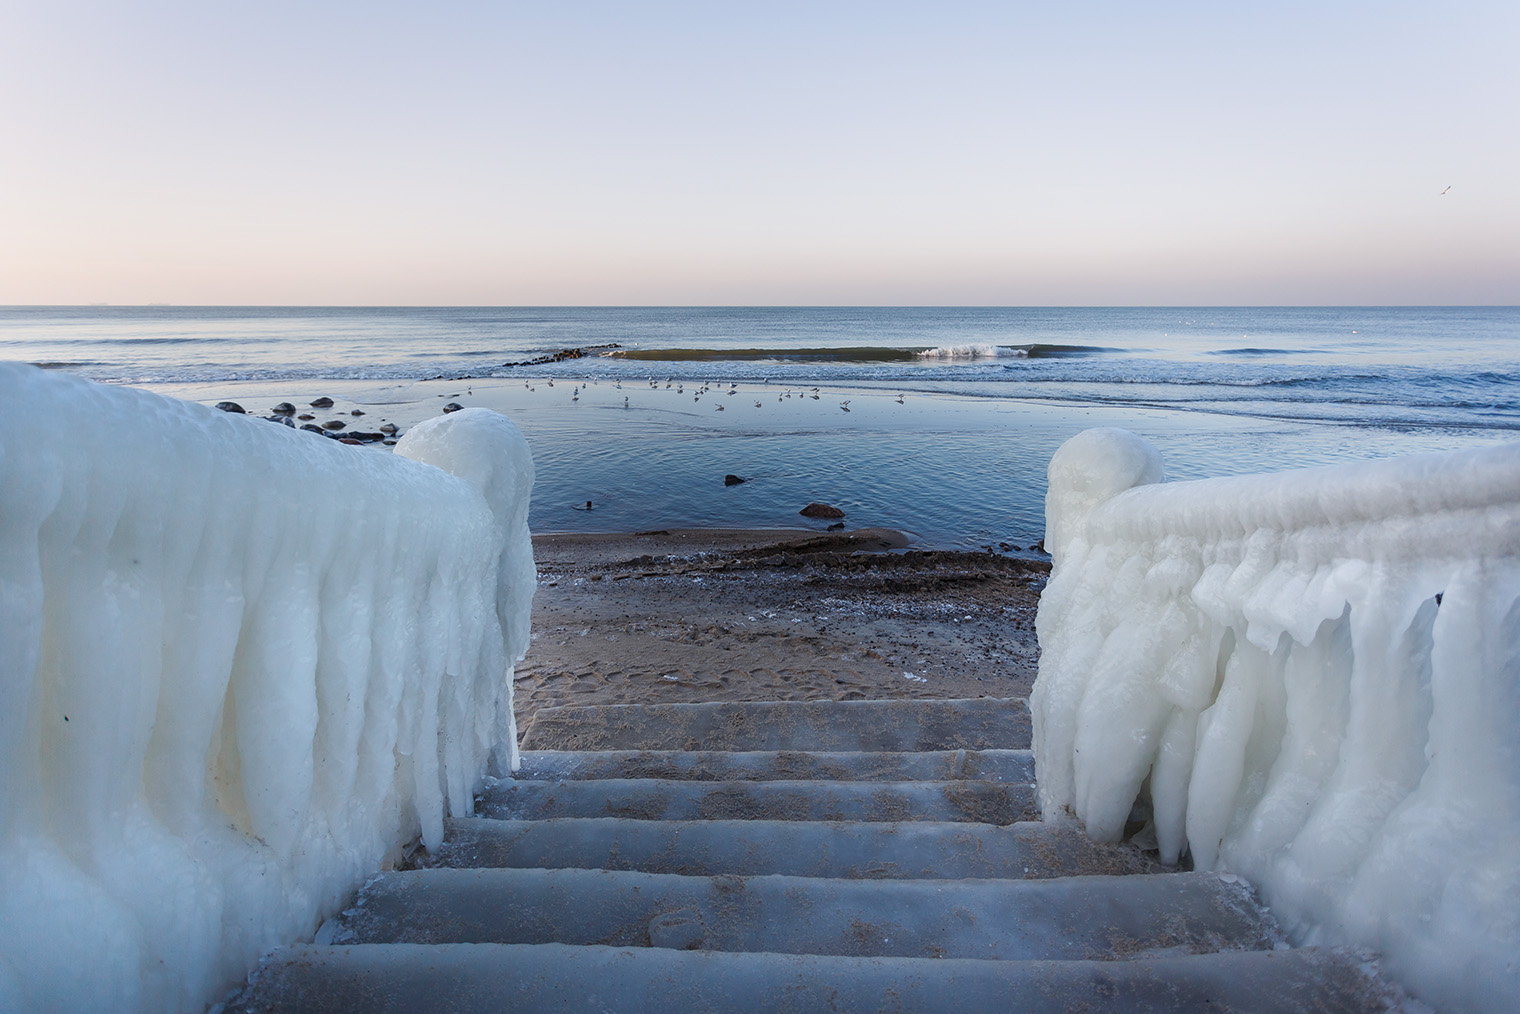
[
  {"x": 1311, "y": 679},
  {"x": 241, "y": 667}
]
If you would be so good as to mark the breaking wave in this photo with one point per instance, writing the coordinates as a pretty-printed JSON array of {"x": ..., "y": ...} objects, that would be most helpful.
[{"x": 860, "y": 353}]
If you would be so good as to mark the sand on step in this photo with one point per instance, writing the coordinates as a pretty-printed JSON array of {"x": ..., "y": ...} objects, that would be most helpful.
[{"x": 975, "y": 724}]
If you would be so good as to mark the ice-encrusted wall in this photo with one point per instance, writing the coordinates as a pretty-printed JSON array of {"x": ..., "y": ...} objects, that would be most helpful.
[
  {"x": 1311, "y": 679},
  {"x": 240, "y": 666}
]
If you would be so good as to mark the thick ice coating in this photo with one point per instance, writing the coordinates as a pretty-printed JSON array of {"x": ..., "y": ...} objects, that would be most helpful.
[
  {"x": 242, "y": 665},
  {"x": 1311, "y": 679}
]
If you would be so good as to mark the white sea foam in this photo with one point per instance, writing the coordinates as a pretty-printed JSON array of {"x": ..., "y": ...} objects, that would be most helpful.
[
  {"x": 1312, "y": 679},
  {"x": 980, "y": 351},
  {"x": 241, "y": 665}
]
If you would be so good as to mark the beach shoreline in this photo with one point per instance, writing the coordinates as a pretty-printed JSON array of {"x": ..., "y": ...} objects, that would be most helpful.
[{"x": 688, "y": 615}]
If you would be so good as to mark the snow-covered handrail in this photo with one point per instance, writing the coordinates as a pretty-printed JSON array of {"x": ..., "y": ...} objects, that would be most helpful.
[
  {"x": 1311, "y": 679},
  {"x": 240, "y": 666}
]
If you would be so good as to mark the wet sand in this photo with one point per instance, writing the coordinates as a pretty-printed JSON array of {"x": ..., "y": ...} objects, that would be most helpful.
[{"x": 683, "y": 615}]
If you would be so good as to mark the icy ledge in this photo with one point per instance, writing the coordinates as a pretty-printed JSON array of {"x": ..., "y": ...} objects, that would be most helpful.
[
  {"x": 241, "y": 666},
  {"x": 1311, "y": 679}
]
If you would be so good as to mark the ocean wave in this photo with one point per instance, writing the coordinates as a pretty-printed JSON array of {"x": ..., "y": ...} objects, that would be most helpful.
[
  {"x": 1039, "y": 350},
  {"x": 862, "y": 353},
  {"x": 845, "y": 354},
  {"x": 975, "y": 351},
  {"x": 1253, "y": 351}
]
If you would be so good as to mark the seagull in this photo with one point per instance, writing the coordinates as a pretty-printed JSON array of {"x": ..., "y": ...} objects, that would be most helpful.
[
  {"x": 1443, "y": 193},
  {"x": 757, "y": 404},
  {"x": 845, "y": 404},
  {"x": 625, "y": 401},
  {"x": 899, "y": 399},
  {"x": 720, "y": 408},
  {"x": 551, "y": 381}
]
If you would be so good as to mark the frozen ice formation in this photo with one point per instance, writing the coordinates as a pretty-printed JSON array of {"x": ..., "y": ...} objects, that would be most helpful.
[
  {"x": 1311, "y": 679},
  {"x": 242, "y": 667}
]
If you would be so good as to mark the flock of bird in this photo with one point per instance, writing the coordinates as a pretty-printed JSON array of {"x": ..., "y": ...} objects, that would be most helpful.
[{"x": 699, "y": 389}]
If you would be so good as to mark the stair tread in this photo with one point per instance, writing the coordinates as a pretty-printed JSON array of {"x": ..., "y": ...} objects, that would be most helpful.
[
  {"x": 911, "y": 725},
  {"x": 547, "y": 978},
  {"x": 764, "y": 765},
  {"x": 909, "y": 849},
  {"x": 667, "y": 799},
  {"x": 1070, "y": 918}
]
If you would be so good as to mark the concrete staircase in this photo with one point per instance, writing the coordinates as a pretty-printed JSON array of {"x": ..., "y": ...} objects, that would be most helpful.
[{"x": 809, "y": 856}]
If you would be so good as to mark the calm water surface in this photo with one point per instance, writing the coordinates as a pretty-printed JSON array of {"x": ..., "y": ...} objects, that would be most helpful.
[{"x": 952, "y": 412}]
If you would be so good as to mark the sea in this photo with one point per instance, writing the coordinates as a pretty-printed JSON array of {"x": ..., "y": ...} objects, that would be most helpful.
[{"x": 938, "y": 421}]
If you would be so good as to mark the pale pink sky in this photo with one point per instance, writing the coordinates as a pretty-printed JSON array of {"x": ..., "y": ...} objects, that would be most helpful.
[{"x": 858, "y": 153}]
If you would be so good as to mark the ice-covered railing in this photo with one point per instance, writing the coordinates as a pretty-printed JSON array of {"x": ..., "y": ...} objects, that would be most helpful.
[
  {"x": 1311, "y": 679},
  {"x": 240, "y": 666}
]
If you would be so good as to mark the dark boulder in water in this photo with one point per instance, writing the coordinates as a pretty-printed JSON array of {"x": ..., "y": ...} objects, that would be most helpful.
[
  {"x": 388, "y": 429},
  {"x": 821, "y": 510},
  {"x": 323, "y": 402},
  {"x": 836, "y": 526},
  {"x": 334, "y": 424},
  {"x": 231, "y": 406},
  {"x": 284, "y": 408},
  {"x": 314, "y": 429},
  {"x": 733, "y": 480},
  {"x": 452, "y": 406}
]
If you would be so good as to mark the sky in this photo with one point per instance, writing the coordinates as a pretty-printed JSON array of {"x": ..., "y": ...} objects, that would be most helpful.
[{"x": 568, "y": 153}]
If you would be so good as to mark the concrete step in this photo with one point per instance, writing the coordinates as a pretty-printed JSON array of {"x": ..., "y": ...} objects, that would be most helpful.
[
  {"x": 908, "y": 850},
  {"x": 913, "y": 726},
  {"x": 553, "y": 978},
  {"x": 1070, "y": 918},
  {"x": 663, "y": 799},
  {"x": 767, "y": 765}
]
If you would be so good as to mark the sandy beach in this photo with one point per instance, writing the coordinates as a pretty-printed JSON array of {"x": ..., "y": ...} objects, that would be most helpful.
[{"x": 715, "y": 615}]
